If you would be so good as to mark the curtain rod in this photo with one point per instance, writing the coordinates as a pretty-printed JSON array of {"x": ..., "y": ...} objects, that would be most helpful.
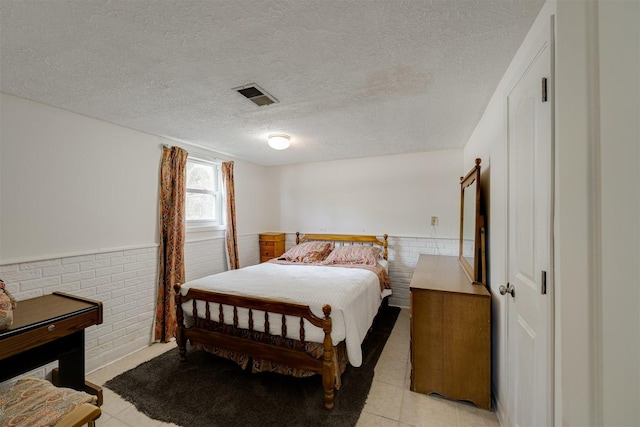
[{"x": 216, "y": 159}]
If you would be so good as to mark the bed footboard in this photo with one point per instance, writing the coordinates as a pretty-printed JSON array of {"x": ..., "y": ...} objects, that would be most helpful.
[{"x": 275, "y": 313}]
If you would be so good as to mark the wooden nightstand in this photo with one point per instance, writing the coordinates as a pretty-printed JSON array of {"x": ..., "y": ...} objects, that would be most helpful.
[{"x": 271, "y": 246}]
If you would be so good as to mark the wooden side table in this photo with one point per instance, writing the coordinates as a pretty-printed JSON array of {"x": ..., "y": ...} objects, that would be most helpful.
[
  {"x": 46, "y": 329},
  {"x": 271, "y": 245}
]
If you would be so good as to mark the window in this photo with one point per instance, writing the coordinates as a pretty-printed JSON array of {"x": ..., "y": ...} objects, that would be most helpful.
[{"x": 204, "y": 194}]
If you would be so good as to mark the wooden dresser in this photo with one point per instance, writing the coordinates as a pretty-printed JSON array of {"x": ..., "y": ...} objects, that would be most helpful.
[
  {"x": 271, "y": 246},
  {"x": 450, "y": 332}
]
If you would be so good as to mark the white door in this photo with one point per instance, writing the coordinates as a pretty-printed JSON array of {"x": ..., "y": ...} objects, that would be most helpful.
[{"x": 529, "y": 305}]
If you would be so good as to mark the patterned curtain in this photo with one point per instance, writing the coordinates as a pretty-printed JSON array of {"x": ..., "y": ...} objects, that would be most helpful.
[
  {"x": 231, "y": 233},
  {"x": 173, "y": 174}
]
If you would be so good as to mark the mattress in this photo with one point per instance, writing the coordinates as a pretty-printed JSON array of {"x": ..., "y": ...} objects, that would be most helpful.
[{"x": 353, "y": 293}]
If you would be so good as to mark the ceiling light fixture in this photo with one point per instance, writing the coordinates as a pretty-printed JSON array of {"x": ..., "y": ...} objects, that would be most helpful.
[{"x": 279, "y": 141}]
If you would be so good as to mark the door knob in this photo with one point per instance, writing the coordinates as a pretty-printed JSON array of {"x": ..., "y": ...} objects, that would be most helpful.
[{"x": 509, "y": 289}]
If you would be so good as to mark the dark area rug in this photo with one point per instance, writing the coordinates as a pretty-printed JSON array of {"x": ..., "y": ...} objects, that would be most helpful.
[{"x": 208, "y": 391}]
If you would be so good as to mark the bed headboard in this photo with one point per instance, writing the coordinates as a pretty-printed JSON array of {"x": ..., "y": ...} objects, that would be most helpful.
[{"x": 347, "y": 239}]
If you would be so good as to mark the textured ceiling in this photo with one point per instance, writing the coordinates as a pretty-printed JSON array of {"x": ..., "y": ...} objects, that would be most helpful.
[{"x": 354, "y": 78}]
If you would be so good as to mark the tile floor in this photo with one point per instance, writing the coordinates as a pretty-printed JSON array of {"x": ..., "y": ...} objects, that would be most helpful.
[{"x": 390, "y": 402}]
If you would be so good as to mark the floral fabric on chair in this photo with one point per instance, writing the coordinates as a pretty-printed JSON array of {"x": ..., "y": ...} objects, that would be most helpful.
[{"x": 35, "y": 402}]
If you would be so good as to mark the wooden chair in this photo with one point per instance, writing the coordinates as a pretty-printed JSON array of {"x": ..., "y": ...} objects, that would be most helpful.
[{"x": 32, "y": 401}]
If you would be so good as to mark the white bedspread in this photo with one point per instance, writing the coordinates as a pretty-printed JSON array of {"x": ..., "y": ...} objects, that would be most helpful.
[{"x": 353, "y": 293}]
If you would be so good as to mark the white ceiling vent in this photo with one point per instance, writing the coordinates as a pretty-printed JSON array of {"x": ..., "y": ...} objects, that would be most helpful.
[{"x": 256, "y": 94}]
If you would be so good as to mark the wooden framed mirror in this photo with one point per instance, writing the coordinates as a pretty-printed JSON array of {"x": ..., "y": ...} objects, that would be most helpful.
[{"x": 471, "y": 255}]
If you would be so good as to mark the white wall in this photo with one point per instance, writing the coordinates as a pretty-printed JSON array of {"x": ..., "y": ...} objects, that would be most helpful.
[
  {"x": 80, "y": 214},
  {"x": 72, "y": 184},
  {"x": 396, "y": 195},
  {"x": 489, "y": 142},
  {"x": 575, "y": 373},
  {"x": 619, "y": 155},
  {"x": 254, "y": 198},
  {"x": 598, "y": 206},
  {"x": 597, "y": 234}
]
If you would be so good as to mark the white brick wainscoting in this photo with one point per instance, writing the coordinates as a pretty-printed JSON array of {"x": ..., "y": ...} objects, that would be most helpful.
[
  {"x": 204, "y": 257},
  {"x": 125, "y": 282},
  {"x": 403, "y": 257}
]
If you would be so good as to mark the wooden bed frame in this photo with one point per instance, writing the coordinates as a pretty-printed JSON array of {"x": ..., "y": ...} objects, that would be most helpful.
[
  {"x": 272, "y": 309},
  {"x": 347, "y": 239}
]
